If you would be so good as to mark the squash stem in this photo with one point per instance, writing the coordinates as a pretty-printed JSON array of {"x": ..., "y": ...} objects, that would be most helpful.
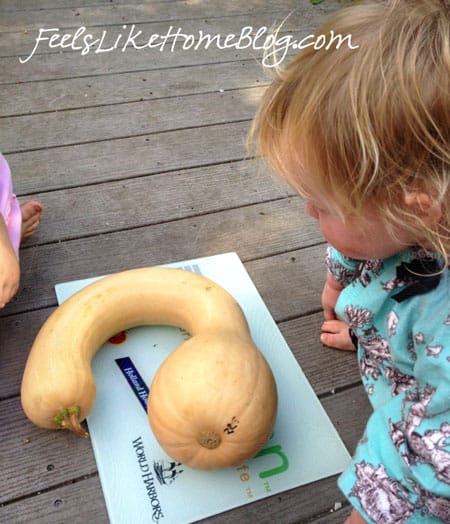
[{"x": 69, "y": 418}]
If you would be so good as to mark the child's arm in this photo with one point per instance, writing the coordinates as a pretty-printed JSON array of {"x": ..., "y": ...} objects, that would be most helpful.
[
  {"x": 330, "y": 294},
  {"x": 335, "y": 332},
  {"x": 9, "y": 267}
]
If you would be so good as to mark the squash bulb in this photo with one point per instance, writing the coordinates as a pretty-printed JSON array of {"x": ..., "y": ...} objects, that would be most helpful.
[{"x": 213, "y": 401}]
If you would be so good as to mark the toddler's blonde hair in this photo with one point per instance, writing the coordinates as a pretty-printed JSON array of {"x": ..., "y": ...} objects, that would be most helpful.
[{"x": 368, "y": 126}]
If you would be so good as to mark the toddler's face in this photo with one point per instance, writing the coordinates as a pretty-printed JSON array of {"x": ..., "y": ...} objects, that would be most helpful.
[{"x": 363, "y": 240}]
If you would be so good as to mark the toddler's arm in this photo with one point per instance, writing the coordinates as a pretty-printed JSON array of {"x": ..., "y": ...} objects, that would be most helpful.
[
  {"x": 330, "y": 294},
  {"x": 9, "y": 267},
  {"x": 335, "y": 332}
]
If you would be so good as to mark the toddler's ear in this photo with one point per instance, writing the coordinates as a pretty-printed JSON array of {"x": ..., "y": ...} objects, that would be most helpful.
[{"x": 422, "y": 205}]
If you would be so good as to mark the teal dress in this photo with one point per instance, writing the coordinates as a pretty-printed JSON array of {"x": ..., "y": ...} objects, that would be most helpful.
[{"x": 398, "y": 312}]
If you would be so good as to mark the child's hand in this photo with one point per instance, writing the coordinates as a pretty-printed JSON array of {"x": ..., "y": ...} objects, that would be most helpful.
[
  {"x": 9, "y": 267},
  {"x": 355, "y": 518},
  {"x": 335, "y": 331},
  {"x": 336, "y": 334}
]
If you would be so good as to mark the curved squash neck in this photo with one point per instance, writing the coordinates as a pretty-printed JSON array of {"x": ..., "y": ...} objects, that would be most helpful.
[{"x": 154, "y": 296}]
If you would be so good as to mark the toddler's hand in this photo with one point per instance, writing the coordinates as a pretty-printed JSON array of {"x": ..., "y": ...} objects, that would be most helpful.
[
  {"x": 335, "y": 331},
  {"x": 335, "y": 334},
  {"x": 355, "y": 518}
]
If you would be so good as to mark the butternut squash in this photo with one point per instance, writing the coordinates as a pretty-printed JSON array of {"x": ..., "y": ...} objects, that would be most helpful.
[{"x": 213, "y": 401}]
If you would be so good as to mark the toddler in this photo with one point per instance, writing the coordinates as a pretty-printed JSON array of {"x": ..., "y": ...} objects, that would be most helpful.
[
  {"x": 16, "y": 223},
  {"x": 364, "y": 136}
]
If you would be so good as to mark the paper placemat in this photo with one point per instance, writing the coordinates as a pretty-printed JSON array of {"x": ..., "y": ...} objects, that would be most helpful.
[{"x": 141, "y": 484}]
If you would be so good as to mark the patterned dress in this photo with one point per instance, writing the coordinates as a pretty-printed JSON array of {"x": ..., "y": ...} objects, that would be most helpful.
[
  {"x": 398, "y": 311},
  {"x": 9, "y": 205}
]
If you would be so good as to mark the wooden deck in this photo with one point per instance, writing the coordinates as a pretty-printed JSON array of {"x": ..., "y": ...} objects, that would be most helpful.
[{"x": 139, "y": 159}]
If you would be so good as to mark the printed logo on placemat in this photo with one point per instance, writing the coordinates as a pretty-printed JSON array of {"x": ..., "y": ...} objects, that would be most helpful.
[
  {"x": 166, "y": 472},
  {"x": 134, "y": 379}
]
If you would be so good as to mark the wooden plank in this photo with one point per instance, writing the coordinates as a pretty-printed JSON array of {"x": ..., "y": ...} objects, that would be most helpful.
[
  {"x": 349, "y": 426},
  {"x": 77, "y": 503},
  {"x": 294, "y": 506},
  {"x": 34, "y": 459},
  {"x": 289, "y": 290},
  {"x": 146, "y": 200},
  {"x": 26, "y": 5},
  {"x": 17, "y": 334},
  {"x": 290, "y": 283},
  {"x": 140, "y": 32},
  {"x": 334, "y": 516},
  {"x": 288, "y": 19},
  {"x": 121, "y": 159},
  {"x": 73, "y": 93},
  {"x": 68, "y": 63},
  {"x": 141, "y": 12},
  {"x": 124, "y": 120},
  {"x": 83, "y": 502},
  {"x": 328, "y": 370},
  {"x": 253, "y": 231}
]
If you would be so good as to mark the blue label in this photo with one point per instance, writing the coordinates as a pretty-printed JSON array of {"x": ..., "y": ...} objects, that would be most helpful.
[{"x": 134, "y": 380}]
